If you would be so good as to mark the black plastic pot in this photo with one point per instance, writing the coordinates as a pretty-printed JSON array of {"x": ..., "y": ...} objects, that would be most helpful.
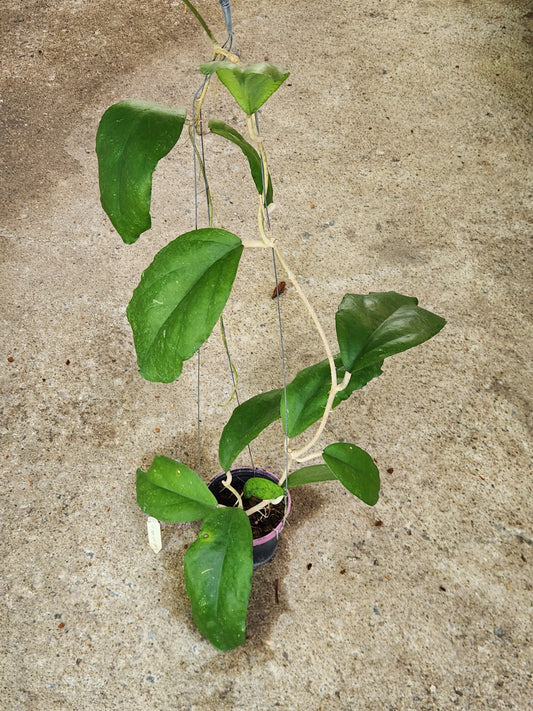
[{"x": 264, "y": 547}]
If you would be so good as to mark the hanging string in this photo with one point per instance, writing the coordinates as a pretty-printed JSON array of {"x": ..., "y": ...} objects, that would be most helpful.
[
  {"x": 197, "y": 129},
  {"x": 197, "y": 124},
  {"x": 206, "y": 187},
  {"x": 233, "y": 379},
  {"x": 265, "y": 187},
  {"x": 283, "y": 365},
  {"x": 226, "y": 9},
  {"x": 280, "y": 325}
]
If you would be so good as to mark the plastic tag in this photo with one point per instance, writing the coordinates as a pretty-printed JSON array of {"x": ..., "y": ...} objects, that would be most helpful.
[{"x": 154, "y": 534}]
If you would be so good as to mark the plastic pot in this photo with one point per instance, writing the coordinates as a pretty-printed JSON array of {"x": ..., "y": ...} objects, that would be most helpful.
[{"x": 265, "y": 546}]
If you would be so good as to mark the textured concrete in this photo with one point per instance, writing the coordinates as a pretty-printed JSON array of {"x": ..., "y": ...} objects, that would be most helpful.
[{"x": 399, "y": 150}]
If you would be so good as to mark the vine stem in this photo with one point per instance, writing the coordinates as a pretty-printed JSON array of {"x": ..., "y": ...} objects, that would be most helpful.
[
  {"x": 263, "y": 504},
  {"x": 268, "y": 242},
  {"x": 231, "y": 56},
  {"x": 297, "y": 454},
  {"x": 227, "y": 483},
  {"x": 308, "y": 457},
  {"x": 265, "y": 242},
  {"x": 262, "y": 223}
]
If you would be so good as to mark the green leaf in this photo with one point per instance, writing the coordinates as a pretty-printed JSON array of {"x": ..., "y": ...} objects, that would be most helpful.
[
  {"x": 262, "y": 489},
  {"x": 218, "y": 575},
  {"x": 170, "y": 491},
  {"x": 371, "y": 328},
  {"x": 247, "y": 421},
  {"x": 310, "y": 475},
  {"x": 222, "y": 129},
  {"x": 132, "y": 138},
  {"x": 250, "y": 86},
  {"x": 355, "y": 469},
  {"x": 180, "y": 298},
  {"x": 307, "y": 394}
]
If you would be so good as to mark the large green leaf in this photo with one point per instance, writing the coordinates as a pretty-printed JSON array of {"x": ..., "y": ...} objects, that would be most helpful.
[
  {"x": 132, "y": 138},
  {"x": 370, "y": 328},
  {"x": 355, "y": 469},
  {"x": 218, "y": 575},
  {"x": 180, "y": 298},
  {"x": 170, "y": 491},
  {"x": 310, "y": 475},
  {"x": 247, "y": 421},
  {"x": 222, "y": 129},
  {"x": 250, "y": 86},
  {"x": 307, "y": 394}
]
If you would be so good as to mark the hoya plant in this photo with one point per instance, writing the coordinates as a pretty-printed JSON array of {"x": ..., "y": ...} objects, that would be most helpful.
[{"x": 178, "y": 302}]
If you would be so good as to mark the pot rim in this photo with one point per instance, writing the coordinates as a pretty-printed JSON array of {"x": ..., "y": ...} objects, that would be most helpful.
[{"x": 269, "y": 475}]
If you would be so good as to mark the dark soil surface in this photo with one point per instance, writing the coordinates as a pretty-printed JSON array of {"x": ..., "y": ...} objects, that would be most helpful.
[{"x": 263, "y": 521}]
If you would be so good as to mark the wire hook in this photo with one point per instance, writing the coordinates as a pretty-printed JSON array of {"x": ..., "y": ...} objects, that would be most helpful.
[{"x": 226, "y": 9}]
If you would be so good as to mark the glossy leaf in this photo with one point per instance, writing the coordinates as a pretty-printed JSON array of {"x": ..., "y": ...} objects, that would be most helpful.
[
  {"x": 307, "y": 394},
  {"x": 310, "y": 475},
  {"x": 373, "y": 327},
  {"x": 171, "y": 492},
  {"x": 254, "y": 160},
  {"x": 250, "y": 86},
  {"x": 132, "y": 138},
  {"x": 355, "y": 469},
  {"x": 180, "y": 298},
  {"x": 262, "y": 489},
  {"x": 218, "y": 575},
  {"x": 247, "y": 421}
]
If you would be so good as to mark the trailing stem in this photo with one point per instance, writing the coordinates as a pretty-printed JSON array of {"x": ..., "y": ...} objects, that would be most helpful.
[
  {"x": 204, "y": 174},
  {"x": 263, "y": 226},
  {"x": 263, "y": 505},
  {"x": 227, "y": 483}
]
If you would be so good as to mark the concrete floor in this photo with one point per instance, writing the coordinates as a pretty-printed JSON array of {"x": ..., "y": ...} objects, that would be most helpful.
[{"x": 399, "y": 149}]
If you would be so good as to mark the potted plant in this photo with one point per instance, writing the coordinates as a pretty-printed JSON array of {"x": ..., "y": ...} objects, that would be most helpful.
[{"x": 178, "y": 302}]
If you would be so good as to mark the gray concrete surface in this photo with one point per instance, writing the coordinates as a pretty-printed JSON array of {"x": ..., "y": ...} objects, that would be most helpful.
[{"x": 400, "y": 152}]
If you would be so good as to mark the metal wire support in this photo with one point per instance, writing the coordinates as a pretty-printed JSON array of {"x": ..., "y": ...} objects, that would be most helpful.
[
  {"x": 283, "y": 366},
  {"x": 208, "y": 201},
  {"x": 278, "y": 305},
  {"x": 234, "y": 380},
  {"x": 226, "y": 9}
]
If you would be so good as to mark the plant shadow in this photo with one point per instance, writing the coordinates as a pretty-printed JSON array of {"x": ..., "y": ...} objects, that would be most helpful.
[
  {"x": 270, "y": 595},
  {"x": 269, "y": 598}
]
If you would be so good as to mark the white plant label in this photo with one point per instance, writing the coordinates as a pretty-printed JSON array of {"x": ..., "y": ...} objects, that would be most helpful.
[{"x": 154, "y": 534}]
